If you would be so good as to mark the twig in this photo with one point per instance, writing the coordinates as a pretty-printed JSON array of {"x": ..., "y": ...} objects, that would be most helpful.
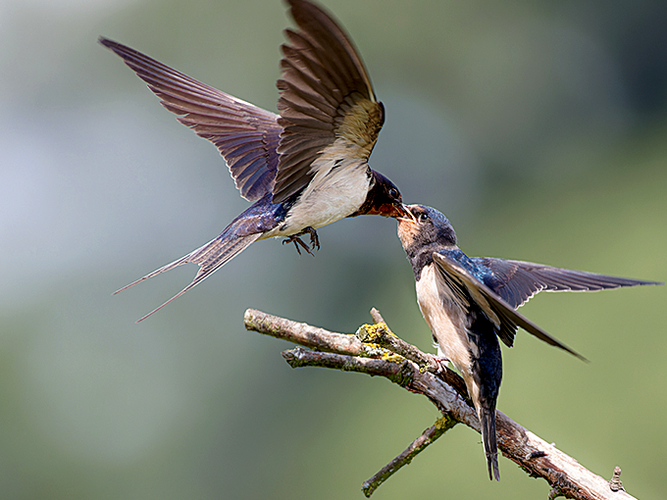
[
  {"x": 317, "y": 339},
  {"x": 441, "y": 426},
  {"x": 399, "y": 373},
  {"x": 615, "y": 483},
  {"x": 381, "y": 335},
  {"x": 377, "y": 317},
  {"x": 537, "y": 457}
]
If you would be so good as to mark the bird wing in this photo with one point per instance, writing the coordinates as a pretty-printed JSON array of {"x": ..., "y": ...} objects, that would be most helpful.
[
  {"x": 246, "y": 136},
  {"x": 327, "y": 106},
  {"x": 517, "y": 281},
  {"x": 496, "y": 309}
]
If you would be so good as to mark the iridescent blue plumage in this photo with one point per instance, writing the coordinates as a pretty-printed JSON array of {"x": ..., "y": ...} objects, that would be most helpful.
[
  {"x": 482, "y": 273},
  {"x": 469, "y": 303},
  {"x": 305, "y": 167},
  {"x": 262, "y": 216}
]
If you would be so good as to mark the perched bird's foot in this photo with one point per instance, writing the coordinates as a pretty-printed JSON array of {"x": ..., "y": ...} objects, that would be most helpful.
[
  {"x": 440, "y": 363},
  {"x": 298, "y": 243},
  {"x": 449, "y": 376}
]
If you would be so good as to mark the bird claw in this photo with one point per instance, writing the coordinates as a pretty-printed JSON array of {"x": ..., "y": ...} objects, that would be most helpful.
[
  {"x": 440, "y": 363},
  {"x": 314, "y": 239},
  {"x": 298, "y": 242}
]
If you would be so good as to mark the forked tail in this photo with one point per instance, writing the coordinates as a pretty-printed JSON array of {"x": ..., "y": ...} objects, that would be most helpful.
[
  {"x": 487, "y": 421},
  {"x": 209, "y": 257}
]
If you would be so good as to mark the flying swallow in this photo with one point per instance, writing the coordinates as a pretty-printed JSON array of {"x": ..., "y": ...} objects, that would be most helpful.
[
  {"x": 469, "y": 303},
  {"x": 303, "y": 168}
]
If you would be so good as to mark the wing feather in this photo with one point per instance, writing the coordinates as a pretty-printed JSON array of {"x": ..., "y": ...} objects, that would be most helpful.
[
  {"x": 326, "y": 100},
  {"x": 517, "y": 281},
  {"x": 217, "y": 117},
  {"x": 497, "y": 309}
]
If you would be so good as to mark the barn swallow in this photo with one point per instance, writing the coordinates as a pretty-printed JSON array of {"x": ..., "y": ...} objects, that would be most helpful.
[
  {"x": 469, "y": 303},
  {"x": 303, "y": 168}
]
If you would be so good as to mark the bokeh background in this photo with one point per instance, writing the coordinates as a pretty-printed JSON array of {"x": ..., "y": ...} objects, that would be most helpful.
[{"x": 539, "y": 128}]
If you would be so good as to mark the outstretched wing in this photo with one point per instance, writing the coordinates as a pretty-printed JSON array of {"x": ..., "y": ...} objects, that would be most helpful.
[
  {"x": 517, "y": 281},
  {"x": 246, "y": 136},
  {"x": 327, "y": 106},
  {"x": 495, "y": 308}
]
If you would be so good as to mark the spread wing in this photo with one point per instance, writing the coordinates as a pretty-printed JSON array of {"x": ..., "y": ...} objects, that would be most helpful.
[
  {"x": 246, "y": 136},
  {"x": 327, "y": 106},
  {"x": 517, "y": 281},
  {"x": 496, "y": 309}
]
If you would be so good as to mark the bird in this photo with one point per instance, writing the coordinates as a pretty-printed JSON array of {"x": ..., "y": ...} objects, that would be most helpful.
[
  {"x": 469, "y": 304},
  {"x": 303, "y": 168}
]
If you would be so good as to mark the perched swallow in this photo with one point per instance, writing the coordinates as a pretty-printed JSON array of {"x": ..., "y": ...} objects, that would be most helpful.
[
  {"x": 304, "y": 168},
  {"x": 469, "y": 303}
]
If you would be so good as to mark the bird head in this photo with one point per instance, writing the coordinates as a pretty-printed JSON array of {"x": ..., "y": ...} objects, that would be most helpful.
[
  {"x": 424, "y": 226},
  {"x": 383, "y": 198}
]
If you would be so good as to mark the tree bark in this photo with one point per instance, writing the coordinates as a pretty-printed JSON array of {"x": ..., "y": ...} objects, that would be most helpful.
[{"x": 376, "y": 351}]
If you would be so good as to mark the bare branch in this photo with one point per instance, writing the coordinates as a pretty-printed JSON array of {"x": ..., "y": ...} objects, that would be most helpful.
[
  {"x": 377, "y": 317},
  {"x": 441, "y": 426},
  {"x": 346, "y": 352},
  {"x": 380, "y": 334},
  {"x": 399, "y": 373},
  {"x": 317, "y": 339}
]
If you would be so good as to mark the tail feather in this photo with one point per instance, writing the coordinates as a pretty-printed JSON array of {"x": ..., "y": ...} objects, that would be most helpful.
[
  {"x": 209, "y": 257},
  {"x": 487, "y": 420}
]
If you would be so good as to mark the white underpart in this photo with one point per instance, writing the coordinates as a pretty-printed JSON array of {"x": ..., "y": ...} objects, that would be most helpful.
[
  {"x": 333, "y": 193},
  {"x": 445, "y": 320}
]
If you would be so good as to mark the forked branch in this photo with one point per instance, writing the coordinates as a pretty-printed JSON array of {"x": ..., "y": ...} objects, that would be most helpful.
[{"x": 378, "y": 352}]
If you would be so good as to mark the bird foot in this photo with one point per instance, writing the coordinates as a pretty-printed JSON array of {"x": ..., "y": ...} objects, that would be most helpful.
[
  {"x": 440, "y": 362},
  {"x": 298, "y": 242},
  {"x": 314, "y": 239}
]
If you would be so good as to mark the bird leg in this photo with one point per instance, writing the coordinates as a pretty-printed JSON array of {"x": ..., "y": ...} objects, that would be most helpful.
[
  {"x": 443, "y": 372},
  {"x": 314, "y": 239},
  {"x": 298, "y": 242}
]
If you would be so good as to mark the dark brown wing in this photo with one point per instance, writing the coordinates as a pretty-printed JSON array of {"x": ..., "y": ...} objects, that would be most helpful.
[
  {"x": 517, "y": 281},
  {"x": 246, "y": 136},
  {"x": 495, "y": 308},
  {"x": 327, "y": 106}
]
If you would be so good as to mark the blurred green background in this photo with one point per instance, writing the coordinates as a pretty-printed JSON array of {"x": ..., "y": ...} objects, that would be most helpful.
[{"x": 539, "y": 128}]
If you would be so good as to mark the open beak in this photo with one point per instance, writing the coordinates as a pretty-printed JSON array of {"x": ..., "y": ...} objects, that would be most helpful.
[
  {"x": 406, "y": 215},
  {"x": 395, "y": 210}
]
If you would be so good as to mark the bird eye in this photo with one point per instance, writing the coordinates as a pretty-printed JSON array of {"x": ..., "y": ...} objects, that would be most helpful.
[
  {"x": 422, "y": 217},
  {"x": 393, "y": 192}
]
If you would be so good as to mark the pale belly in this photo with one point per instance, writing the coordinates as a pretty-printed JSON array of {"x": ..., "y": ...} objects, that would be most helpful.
[
  {"x": 444, "y": 320},
  {"x": 332, "y": 197}
]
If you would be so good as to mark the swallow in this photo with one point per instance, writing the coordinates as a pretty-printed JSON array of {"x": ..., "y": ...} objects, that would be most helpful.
[
  {"x": 303, "y": 168},
  {"x": 470, "y": 302}
]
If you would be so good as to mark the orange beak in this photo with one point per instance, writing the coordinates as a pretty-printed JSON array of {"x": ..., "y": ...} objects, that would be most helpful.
[{"x": 395, "y": 210}]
